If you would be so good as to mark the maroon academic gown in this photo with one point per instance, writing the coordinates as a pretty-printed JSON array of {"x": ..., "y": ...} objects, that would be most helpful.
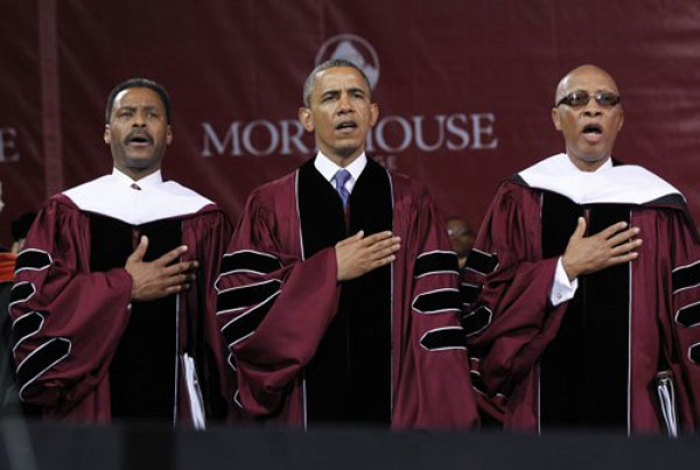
[
  {"x": 71, "y": 319},
  {"x": 385, "y": 349},
  {"x": 597, "y": 360}
]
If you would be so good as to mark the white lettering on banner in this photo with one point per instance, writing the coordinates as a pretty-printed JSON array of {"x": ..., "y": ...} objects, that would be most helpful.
[
  {"x": 378, "y": 134},
  {"x": 274, "y": 137},
  {"x": 392, "y": 135},
  {"x": 8, "y": 145},
  {"x": 211, "y": 138},
  {"x": 292, "y": 133},
  {"x": 455, "y": 130},
  {"x": 420, "y": 140},
  {"x": 287, "y": 132},
  {"x": 478, "y": 130}
]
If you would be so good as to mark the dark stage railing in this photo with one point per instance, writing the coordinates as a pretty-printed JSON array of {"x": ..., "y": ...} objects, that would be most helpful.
[{"x": 55, "y": 446}]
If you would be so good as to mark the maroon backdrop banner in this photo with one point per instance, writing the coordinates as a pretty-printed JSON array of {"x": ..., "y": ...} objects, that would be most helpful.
[{"x": 465, "y": 87}]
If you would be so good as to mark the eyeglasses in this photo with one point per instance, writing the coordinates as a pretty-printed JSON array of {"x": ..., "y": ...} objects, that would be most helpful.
[{"x": 578, "y": 98}]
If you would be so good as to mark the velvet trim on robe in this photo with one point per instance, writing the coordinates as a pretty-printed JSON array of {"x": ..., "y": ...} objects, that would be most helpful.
[
  {"x": 587, "y": 362},
  {"x": 511, "y": 322},
  {"x": 352, "y": 364},
  {"x": 276, "y": 305},
  {"x": 143, "y": 373},
  {"x": 69, "y": 319}
]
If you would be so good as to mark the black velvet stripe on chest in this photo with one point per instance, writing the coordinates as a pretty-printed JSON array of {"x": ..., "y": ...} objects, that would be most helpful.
[
  {"x": 584, "y": 371},
  {"x": 142, "y": 373},
  {"x": 349, "y": 379}
]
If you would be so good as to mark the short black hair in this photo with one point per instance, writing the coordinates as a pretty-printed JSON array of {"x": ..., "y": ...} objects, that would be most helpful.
[
  {"x": 329, "y": 64},
  {"x": 138, "y": 83}
]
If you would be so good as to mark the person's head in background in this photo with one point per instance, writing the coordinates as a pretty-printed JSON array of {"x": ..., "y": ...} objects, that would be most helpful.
[{"x": 462, "y": 238}]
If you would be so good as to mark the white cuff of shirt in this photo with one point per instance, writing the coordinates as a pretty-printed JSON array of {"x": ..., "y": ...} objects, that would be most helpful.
[{"x": 562, "y": 289}]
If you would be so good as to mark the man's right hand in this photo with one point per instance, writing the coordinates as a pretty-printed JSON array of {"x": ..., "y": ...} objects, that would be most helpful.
[
  {"x": 358, "y": 255},
  {"x": 155, "y": 279},
  {"x": 611, "y": 246}
]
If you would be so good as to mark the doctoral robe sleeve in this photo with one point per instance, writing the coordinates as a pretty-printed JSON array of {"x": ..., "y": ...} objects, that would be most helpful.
[
  {"x": 679, "y": 282},
  {"x": 508, "y": 317},
  {"x": 67, "y": 321},
  {"x": 434, "y": 384},
  {"x": 273, "y": 307}
]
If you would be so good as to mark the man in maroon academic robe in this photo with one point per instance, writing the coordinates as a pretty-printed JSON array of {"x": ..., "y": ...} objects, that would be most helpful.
[
  {"x": 572, "y": 321},
  {"x": 110, "y": 321},
  {"x": 338, "y": 296}
]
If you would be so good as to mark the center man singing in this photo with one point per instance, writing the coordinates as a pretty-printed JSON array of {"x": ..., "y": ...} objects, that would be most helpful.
[{"x": 338, "y": 297}]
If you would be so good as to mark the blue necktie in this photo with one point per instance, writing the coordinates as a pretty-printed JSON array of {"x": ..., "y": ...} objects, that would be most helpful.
[{"x": 341, "y": 177}]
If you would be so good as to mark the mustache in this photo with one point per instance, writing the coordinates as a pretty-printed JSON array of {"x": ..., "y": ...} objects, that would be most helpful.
[{"x": 138, "y": 135}]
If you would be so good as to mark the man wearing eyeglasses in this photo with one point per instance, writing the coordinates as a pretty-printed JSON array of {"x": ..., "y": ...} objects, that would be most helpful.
[{"x": 583, "y": 289}]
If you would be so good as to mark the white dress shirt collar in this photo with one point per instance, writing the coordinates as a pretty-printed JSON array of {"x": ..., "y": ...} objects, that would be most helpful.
[
  {"x": 328, "y": 169},
  {"x": 574, "y": 169},
  {"x": 152, "y": 180}
]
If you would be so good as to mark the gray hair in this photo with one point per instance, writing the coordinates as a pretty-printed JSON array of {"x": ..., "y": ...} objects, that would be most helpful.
[{"x": 329, "y": 64}]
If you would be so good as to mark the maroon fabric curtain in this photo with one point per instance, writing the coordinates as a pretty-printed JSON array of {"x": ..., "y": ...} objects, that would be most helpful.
[{"x": 465, "y": 88}]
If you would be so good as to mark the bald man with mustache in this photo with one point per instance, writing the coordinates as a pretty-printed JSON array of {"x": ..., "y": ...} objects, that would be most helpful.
[{"x": 583, "y": 289}]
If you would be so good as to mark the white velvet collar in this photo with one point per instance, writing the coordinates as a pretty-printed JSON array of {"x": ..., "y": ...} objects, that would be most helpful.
[
  {"x": 113, "y": 196},
  {"x": 624, "y": 184}
]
